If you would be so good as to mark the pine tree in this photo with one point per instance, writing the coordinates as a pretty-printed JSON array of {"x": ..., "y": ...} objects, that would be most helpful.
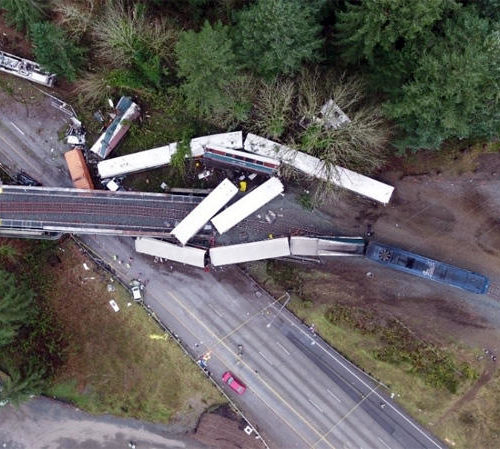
[
  {"x": 488, "y": 8},
  {"x": 207, "y": 63},
  {"x": 453, "y": 92},
  {"x": 22, "y": 383},
  {"x": 15, "y": 305},
  {"x": 276, "y": 36},
  {"x": 55, "y": 51},
  {"x": 23, "y": 13},
  {"x": 374, "y": 28}
]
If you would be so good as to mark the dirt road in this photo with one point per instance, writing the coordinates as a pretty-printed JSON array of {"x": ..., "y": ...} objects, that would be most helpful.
[{"x": 46, "y": 424}]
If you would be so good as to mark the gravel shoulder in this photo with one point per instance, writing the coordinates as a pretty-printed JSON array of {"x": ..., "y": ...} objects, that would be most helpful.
[{"x": 43, "y": 423}]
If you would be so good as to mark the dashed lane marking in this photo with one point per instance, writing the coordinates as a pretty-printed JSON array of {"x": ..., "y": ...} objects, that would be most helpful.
[
  {"x": 265, "y": 358},
  {"x": 224, "y": 362},
  {"x": 17, "y": 127},
  {"x": 283, "y": 348},
  {"x": 333, "y": 395},
  {"x": 215, "y": 310},
  {"x": 316, "y": 405},
  {"x": 266, "y": 384},
  {"x": 384, "y": 443}
]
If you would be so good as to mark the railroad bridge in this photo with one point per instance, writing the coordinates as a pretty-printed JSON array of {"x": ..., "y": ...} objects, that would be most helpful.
[{"x": 48, "y": 209}]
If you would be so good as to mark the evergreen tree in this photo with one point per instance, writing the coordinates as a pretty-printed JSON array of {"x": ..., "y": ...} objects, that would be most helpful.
[
  {"x": 276, "y": 36},
  {"x": 374, "y": 28},
  {"x": 23, "y": 13},
  {"x": 453, "y": 92},
  {"x": 488, "y": 8},
  {"x": 8, "y": 253},
  {"x": 22, "y": 383},
  {"x": 15, "y": 305},
  {"x": 207, "y": 63},
  {"x": 55, "y": 51}
]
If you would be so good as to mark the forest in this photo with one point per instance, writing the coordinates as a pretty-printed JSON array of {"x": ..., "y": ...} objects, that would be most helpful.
[{"x": 410, "y": 75}]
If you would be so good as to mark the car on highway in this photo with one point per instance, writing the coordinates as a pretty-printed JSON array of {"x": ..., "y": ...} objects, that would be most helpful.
[
  {"x": 136, "y": 293},
  {"x": 26, "y": 180},
  {"x": 136, "y": 288},
  {"x": 233, "y": 382}
]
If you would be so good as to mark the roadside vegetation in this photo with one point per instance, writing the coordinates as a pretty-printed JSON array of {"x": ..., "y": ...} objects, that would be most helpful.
[
  {"x": 426, "y": 377},
  {"x": 391, "y": 341},
  {"x": 55, "y": 316}
]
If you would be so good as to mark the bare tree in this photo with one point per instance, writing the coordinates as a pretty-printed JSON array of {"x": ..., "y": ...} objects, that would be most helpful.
[
  {"x": 273, "y": 107},
  {"x": 359, "y": 143},
  {"x": 123, "y": 32},
  {"x": 76, "y": 17}
]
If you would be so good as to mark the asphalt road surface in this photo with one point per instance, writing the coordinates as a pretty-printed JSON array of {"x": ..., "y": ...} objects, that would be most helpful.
[{"x": 301, "y": 393}]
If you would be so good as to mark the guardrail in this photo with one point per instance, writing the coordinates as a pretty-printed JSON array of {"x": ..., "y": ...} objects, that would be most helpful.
[
  {"x": 99, "y": 262},
  {"x": 318, "y": 337}
]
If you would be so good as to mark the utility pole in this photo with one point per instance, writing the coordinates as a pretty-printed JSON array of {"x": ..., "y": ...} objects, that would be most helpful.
[{"x": 281, "y": 309}]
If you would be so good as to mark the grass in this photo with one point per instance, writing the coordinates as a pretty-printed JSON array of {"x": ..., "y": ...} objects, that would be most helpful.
[
  {"x": 359, "y": 335},
  {"x": 476, "y": 424},
  {"x": 119, "y": 363}
]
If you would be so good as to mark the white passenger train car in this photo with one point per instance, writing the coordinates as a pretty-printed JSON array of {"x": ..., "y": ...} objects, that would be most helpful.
[
  {"x": 126, "y": 112},
  {"x": 169, "y": 251},
  {"x": 161, "y": 156},
  {"x": 202, "y": 213},
  {"x": 247, "y": 205},
  {"x": 248, "y": 252},
  {"x": 312, "y": 166}
]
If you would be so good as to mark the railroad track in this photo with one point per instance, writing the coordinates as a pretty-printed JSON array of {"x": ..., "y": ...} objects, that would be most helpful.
[
  {"x": 36, "y": 208},
  {"x": 97, "y": 209},
  {"x": 494, "y": 291},
  {"x": 140, "y": 213}
]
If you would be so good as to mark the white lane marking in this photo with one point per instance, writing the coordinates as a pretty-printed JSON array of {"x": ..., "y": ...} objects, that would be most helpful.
[
  {"x": 282, "y": 347},
  {"x": 265, "y": 358},
  {"x": 342, "y": 361},
  {"x": 384, "y": 443},
  {"x": 333, "y": 395},
  {"x": 316, "y": 405},
  {"x": 17, "y": 127},
  {"x": 215, "y": 310}
]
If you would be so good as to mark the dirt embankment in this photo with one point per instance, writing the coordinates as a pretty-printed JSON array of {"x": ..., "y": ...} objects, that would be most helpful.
[{"x": 450, "y": 214}]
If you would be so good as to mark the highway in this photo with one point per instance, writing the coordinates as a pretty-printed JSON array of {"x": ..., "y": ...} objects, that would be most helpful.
[{"x": 301, "y": 393}]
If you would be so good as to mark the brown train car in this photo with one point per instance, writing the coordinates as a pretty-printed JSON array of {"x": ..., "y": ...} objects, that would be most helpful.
[{"x": 78, "y": 169}]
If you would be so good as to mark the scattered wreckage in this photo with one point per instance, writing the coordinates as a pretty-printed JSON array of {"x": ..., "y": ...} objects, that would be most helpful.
[{"x": 24, "y": 68}]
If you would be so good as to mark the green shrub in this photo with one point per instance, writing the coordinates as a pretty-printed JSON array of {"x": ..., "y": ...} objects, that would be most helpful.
[
  {"x": 55, "y": 51},
  {"x": 23, "y": 13}
]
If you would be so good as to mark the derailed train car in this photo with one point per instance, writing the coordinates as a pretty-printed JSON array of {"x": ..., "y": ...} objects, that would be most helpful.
[{"x": 427, "y": 268}]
